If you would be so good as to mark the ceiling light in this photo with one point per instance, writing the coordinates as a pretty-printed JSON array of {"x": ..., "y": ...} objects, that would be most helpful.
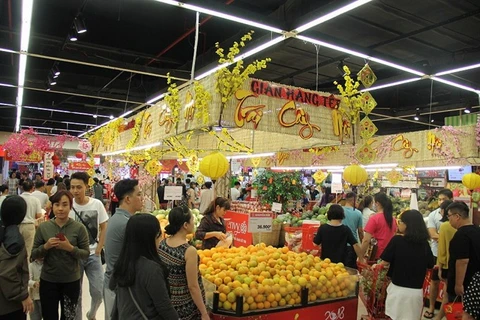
[
  {"x": 154, "y": 99},
  {"x": 52, "y": 74},
  {"x": 79, "y": 24},
  {"x": 148, "y": 146},
  {"x": 392, "y": 84},
  {"x": 222, "y": 15},
  {"x": 472, "y": 66},
  {"x": 64, "y": 111},
  {"x": 51, "y": 80},
  {"x": 361, "y": 55},
  {"x": 432, "y": 121},
  {"x": 331, "y": 15},
  {"x": 111, "y": 117},
  {"x": 468, "y": 109},
  {"x": 437, "y": 168},
  {"x": 27, "y": 8},
  {"x": 454, "y": 84},
  {"x": 417, "y": 115},
  {"x": 56, "y": 71},
  {"x": 95, "y": 116},
  {"x": 240, "y": 57},
  {"x": 73, "y": 36},
  {"x": 248, "y": 156}
]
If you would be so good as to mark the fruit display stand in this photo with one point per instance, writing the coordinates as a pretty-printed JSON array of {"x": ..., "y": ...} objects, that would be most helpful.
[{"x": 260, "y": 282}]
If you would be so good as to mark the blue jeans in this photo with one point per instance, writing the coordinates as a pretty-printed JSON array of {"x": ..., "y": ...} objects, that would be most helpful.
[{"x": 94, "y": 271}]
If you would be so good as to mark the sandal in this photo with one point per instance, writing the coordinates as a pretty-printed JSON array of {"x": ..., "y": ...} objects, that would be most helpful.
[{"x": 429, "y": 315}]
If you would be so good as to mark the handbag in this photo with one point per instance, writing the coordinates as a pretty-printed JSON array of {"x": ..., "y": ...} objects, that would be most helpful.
[
  {"x": 136, "y": 304},
  {"x": 102, "y": 253},
  {"x": 453, "y": 310}
]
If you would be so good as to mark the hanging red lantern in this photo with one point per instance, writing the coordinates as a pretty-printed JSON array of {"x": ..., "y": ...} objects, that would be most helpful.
[
  {"x": 55, "y": 157},
  {"x": 79, "y": 155},
  {"x": 28, "y": 152},
  {"x": 56, "y": 162}
]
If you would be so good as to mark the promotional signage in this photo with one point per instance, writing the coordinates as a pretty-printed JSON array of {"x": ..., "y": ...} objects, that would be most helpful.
[
  {"x": 48, "y": 168},
  {"x": 237, "y": 224},
  {"x": 173, "y": 193},
  {"x": 337, "y": 186},
  {"x": 79, "y": 166},
  {"x": 276, "y": 207},
  {"x": 260, "y": 222}
]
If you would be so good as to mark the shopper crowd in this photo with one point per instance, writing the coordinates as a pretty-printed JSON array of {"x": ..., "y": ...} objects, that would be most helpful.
[{"x": 150, "y": 276}]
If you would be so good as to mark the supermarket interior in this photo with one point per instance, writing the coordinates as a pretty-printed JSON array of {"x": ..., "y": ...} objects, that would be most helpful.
[{"x": 319, "y": 146}]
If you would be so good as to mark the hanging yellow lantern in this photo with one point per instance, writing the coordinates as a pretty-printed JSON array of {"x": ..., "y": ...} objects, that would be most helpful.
[
  {"x": 471, "y": 181},
  {"x": 355, "y": 175},
  {"x": 214, "y": 165}
]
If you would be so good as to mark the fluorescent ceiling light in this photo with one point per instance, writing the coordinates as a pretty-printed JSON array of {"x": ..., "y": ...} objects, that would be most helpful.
[
  {"x": 472, "y": 66},
  {"x": 64, "y": 111},
  {"x": 222, "y": 15},
  {"x": 249, "y": 156},
  {"x": 309, "y": 168},
  {"x": 381, "y": 165},
  {"x": 242, "y": 56},
  {"x": 392, "y": 84},
  {"x": 361, "y": 55},
  {"x": 454, "y": 84},
  {"x": 56, "y": 129},
  {"x": 160, "y": 96},
  {"x": 331, "y": 15},
  {"x": 27, "y": 8},
  {"x": 437, "y": 168},
  {"x": 383, "y": 169},
  {"x": 7, "y": 85},
  {"x": 148, "y": 146}
]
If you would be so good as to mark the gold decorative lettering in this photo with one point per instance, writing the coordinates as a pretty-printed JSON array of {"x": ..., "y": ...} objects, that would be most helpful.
[
  {"x": 301, "y": 117},
  {"x": 247, "y": 114},
  {"x": 400, "y": 143}
]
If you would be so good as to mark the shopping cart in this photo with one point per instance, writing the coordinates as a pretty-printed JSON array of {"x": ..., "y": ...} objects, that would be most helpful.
[{"x": 373, "y": 290}]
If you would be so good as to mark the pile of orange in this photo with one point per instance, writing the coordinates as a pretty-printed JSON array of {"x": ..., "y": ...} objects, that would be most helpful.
[{"x": 268, "y": 277}]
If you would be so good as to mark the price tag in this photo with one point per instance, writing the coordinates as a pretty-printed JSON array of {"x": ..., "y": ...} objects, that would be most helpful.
[
  {"x": 260, "y": 222},
  {"x": 173, "y": 193},
  {"x": 276, "y": 207},
  {"x": 337, "y": 186}
]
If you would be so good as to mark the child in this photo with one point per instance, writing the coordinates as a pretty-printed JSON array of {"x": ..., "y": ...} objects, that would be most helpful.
[
  {"x": 335, "y": 236},
  {"x": 35, "y": 269}
]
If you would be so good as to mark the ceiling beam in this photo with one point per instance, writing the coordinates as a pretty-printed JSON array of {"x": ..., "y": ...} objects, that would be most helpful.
[
  {"x": 45, "y": 39},
  {"x": 110, "y": 65}
]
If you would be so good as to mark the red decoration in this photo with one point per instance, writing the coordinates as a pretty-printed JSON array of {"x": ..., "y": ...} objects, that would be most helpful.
[
  {"x": 55, "y": 157},
  {"x": 56, "y": 162},
  {"x": 79, "y": 155},
  {"x": 28, "y": 152}
]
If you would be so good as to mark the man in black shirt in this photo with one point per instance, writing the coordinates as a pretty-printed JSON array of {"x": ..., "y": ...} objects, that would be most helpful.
[
  {"x": 161, "y": 193},
  {"x": 464, "y": 250}
]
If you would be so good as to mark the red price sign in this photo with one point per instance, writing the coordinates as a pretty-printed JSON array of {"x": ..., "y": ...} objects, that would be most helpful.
[{"x": 237, "y": 224}]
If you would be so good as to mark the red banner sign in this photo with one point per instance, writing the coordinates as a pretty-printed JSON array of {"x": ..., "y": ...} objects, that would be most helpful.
[
  {"x": 345, "y": 309},
  {"x": 79, "y": 166},
  {"x": 237, "y": 224}
]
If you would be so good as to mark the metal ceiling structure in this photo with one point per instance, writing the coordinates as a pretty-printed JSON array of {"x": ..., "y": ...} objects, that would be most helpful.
[{"x": 121, "y": 61}]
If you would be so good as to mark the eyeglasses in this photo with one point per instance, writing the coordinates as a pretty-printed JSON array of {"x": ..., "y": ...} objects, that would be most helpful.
[{"x": 453, "y": 214}]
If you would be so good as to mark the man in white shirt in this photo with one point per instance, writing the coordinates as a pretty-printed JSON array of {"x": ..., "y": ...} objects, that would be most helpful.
[
  {"x": 235, "y": 191},
  {"x": 433, "y": 225},
  {"x": 91, "y": 213},
  {"x": 34, "y": 211},
  {"x": 40, "y": 194}
]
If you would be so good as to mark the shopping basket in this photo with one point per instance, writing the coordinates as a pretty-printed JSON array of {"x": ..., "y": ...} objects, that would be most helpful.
[{"x": 373, "y": 290}]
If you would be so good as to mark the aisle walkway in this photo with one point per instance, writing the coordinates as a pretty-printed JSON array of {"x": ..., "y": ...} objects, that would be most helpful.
[{"x": 101, "y": 310}]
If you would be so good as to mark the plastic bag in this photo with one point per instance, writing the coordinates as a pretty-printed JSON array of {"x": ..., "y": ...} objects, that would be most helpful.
[{"x": 227, "y": 242}]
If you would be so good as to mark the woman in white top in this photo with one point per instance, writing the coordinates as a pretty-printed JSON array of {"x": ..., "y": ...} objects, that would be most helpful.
[
  {"x": 366, "y": 206},
  {"x": 206, "y": 197}
]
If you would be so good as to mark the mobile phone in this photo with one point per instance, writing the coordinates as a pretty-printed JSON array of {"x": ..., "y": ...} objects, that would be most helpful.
[{"x": 60, "y": 236}]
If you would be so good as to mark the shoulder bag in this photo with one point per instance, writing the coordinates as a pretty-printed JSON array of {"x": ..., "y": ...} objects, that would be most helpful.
[
  {"x": 136, "y": 304},
  {"x": 102, "y": 253}
]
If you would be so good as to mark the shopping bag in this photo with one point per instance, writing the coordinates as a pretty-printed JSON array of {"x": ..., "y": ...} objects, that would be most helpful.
[
  {"x": 453, "y": 310},
  {"x": 227, "y": 242}
]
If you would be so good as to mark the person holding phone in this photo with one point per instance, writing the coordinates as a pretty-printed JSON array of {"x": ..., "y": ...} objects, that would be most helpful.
[{"x": 63, "y": 243}]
